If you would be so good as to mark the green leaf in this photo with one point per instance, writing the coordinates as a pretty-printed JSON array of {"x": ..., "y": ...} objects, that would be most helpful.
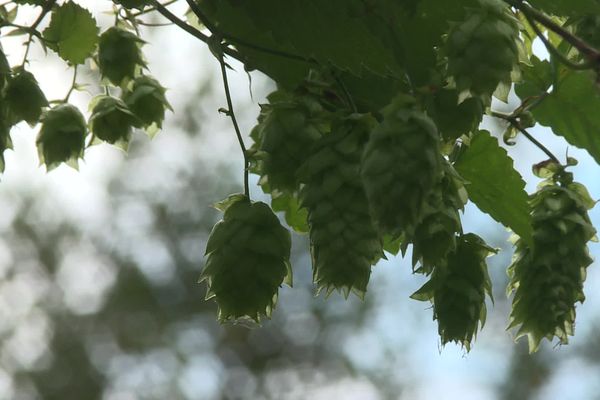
[
  {"x": 536, "y": 78},
  {"x": 72, "y": 33},
  {"x": 571, "y": 110},
  {"x": 494, "y": 185},
  {"x": 295, "y": 216}
]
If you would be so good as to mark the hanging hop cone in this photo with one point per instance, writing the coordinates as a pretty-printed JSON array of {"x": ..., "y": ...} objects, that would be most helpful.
[
  {"x": 62, "y": 135},
  {"x": 247, "y": 260},
  {"x": 482, "y": 49},
  {"x": 344, "y": 241},
  {"x": 435, "y": 236},
  {"x": 547, "y": 275},
  {"x": 119, "y": 54},
  {"x": 147, "y": 100},
  {"x": 286, "y": 131},
  {"x": 401, "y": 165},
  {"x": 111, "y": 119},
  {"x": 457, "y": 290},
  {"x": 24, "y": 99}
]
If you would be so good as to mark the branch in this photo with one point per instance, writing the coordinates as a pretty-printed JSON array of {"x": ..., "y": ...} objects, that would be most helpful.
[
  {"x": 513, "y": 120},
  {"x": 238, "y": 133},
  {"x": 191, "y": 30},
  {"x": 530, "y": 12},
  {"x": 45, "y": 10}
]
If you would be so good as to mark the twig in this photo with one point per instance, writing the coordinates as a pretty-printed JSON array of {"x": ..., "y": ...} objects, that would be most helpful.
[
  {"x": 238, "y": 133},
  {"x": 346, "y": 93},
  {"x": 73, "y": 83},
  {"x": 45, "y": 10},
  {"x": 514, "y": 122},
  {"x": 148, "y": 10}
]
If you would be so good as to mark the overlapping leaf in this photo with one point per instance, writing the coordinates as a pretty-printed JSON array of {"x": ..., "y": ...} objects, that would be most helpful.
[{"x": 494, "y": 185}]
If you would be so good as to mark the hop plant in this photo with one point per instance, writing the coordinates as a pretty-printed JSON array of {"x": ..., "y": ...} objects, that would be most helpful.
[
  {"x": 5, "y": 140},
  {"x": 247, "y": 260},
  {"x": 24, "y": 98},
  {"x": 482, "y": 49},
  {"x": 119, "y": 54},
  {"x": 146, "y": 99},
  {"x": 111, "y": 119},
  {"x": 344, "y": 241},
  {"x": 286, "y": 131},
  {"x": 457, "y": 290},
  {"x": 62, "y": 135},
  {"x": 435, "y": 235},
  {"x": 4, "y": 69},
  {"x": 401, "y": 165},
  {"x": 547, "y": 275}
]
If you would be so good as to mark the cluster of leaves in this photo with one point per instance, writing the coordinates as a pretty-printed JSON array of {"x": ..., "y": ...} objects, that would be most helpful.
[{"x": 371, "y": 142}]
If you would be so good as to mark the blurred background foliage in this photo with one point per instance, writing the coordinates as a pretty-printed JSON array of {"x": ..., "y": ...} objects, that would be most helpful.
[{"x": 99, "y": 296}]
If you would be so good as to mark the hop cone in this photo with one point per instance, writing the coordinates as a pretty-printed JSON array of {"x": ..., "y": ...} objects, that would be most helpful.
[
  {"x": 62, "y": 135},
  {"x": 248, "y": 260},
  {"x": 111, "y": 120},
  {"x": 147, "y": 101},
  {"x": 482, "y": 49},
  {"x": 344, "y": 241},
  {"x": 547, "y": 277},
  {"x": 435, "y": 236},
  {"x": 24, "y": 98},
  {"x": 457, "y": 290},
  {"x": 284, "y": 136},
  {"x": 401, "y": 165},
  {"x": 119, "y": 54}
]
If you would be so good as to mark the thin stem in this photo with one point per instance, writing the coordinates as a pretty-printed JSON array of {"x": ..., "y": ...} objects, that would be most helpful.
[
  {"x": 238, "y": 133},
  {"x": 149, "y": 10},
  {"x": 346, "y": 93},
  {"x": 554, "y": 51},
  {"x": 514, "y": 122},
  {"x": 45, "y": 10},
  {"x": 73, "y": 84}
]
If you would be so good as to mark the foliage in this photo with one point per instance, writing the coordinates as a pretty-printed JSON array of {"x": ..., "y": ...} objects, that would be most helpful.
[{"x": 372, "y": 139}]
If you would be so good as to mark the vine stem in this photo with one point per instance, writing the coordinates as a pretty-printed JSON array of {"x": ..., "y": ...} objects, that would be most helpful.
[
  {"x": 514, "y": 122},
  {"x": 45, "y": 10},
  {"x": 530, "y": 12},
  {"x": 238, "y": 133},
  {"x": 73, "y": 83}
]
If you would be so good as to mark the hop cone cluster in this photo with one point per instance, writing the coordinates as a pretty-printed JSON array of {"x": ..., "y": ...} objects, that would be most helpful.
[
  {"x": 547, "y": 276},
  {"x": 401, "y": 165},
  {"x": 482, "y": 49},
  {"x": 286, "y": 131},
  {"x": 457, "y": 290},
  {"x": 248, "y": 260},
  {"x": 344, "y": 241},
  {"x": 435, "y": 236}
]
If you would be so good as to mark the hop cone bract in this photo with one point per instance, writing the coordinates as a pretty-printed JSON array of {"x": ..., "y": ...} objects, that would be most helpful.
[
  {"x": 344, "y": 241},
  {"x": 435, "y": 236},
  {"x": 482, "y": 49},
  {"x": 401, "y": 165},
  {"x": 457, "y": 290},
  {"x": 248, "y": 260},
  {"x": 547, "y": 276},
  {"x": 286, "y": 131}
]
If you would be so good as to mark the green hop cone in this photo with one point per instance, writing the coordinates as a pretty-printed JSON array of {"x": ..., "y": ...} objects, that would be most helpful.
[
  {"x": 547, "y": 277},
  {"x": 119, "y": 54},
  {"x": 482, "y": 49},
  {"x": 146, "y": 99},
  {"x": 5, "y": 140},
  {"x": 457, "y": 290},
  {"x": 247, "y": 260},
  {"x": 24, "y": 98},
  {"x": 111, "y": 120},
  {"x": 62, "y": 135},
  {"x": 344, "y": 241},
  {"x": 435, "y": 236},
  {"x": 285, "y": 133},
  {"x": 401, "y": 165}
]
